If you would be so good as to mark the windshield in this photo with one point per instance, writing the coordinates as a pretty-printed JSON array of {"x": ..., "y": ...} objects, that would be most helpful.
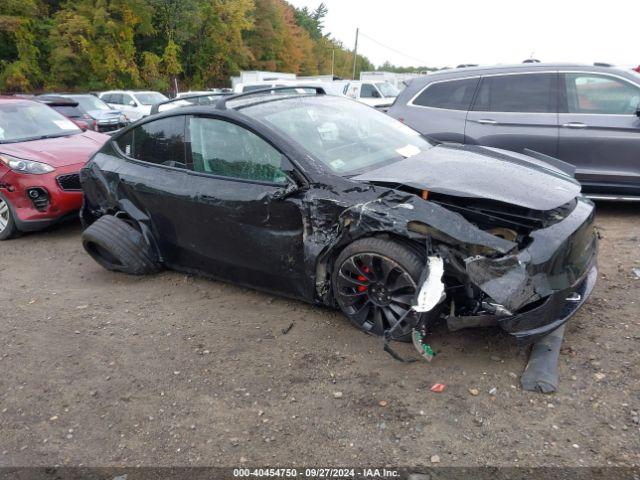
[
  {"x": 150, "y": 98},
  {"x": 387, "y": 90},
  {"x": 89, "y": 102},
  {"x": 345, "y": 135},
  {"x": 20, "y": 121}
]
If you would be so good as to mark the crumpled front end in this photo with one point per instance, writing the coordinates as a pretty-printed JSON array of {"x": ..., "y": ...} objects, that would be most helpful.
[
  {"x": 538, "y": 288},
  {"x": 525, "y": 271}
]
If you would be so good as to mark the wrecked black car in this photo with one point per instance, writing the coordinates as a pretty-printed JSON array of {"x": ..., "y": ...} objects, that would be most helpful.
[{"x": 330, "y": 201}]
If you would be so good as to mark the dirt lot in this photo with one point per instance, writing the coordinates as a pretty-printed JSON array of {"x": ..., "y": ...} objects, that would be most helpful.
[{"x": 104, "y": 369}]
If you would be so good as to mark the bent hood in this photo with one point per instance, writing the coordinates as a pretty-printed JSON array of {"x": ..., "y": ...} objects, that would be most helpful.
[
  {"x": 58, "y": 151},
  {"x": 479, "y": 172}
]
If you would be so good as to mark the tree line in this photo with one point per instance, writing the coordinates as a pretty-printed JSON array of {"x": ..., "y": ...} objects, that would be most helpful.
[{"x": 99, "y": 44}]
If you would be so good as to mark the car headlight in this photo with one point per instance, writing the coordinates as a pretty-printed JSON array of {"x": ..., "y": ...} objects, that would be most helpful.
[{"x": 25, "y": 166}]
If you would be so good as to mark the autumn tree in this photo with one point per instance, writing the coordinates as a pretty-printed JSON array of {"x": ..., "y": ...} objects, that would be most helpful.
[{"x": 98, "y": 44}]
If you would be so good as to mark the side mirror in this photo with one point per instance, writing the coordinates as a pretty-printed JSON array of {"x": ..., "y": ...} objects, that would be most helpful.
[
  {"x": 638, "y": 110},
  {"x": 133, "y": 103},
  {"x": 376, "y": 94}
]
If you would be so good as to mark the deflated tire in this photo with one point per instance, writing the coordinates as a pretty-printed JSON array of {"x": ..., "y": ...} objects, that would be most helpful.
[{"x": 118, "y": 246}]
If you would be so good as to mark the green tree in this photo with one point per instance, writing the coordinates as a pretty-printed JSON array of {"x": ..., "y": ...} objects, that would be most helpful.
[{"x": 19, "y": 56}]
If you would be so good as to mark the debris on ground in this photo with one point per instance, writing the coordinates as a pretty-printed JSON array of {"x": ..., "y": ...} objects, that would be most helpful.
[
  {"x": 288, "y": 329},
  {"x": 337, "y": 394},
  {"x": 541, "y": 373},
  {"x": 474, "y": 391},
  {"x": 636, "y": 272},
  {"x": 438, "y": 387}
]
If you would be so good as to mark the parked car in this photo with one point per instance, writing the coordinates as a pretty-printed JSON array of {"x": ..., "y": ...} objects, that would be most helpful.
[
  {"x": 324, "y": 199},
  {"x": 376, "y": 94},
  {"x": 97, "y": 114},
  {"x": 41, "y": 153},
  {"x": 134, "y": 104},
  {"x": 583, "y": 115},
  {"x": 67, "y": 107}
]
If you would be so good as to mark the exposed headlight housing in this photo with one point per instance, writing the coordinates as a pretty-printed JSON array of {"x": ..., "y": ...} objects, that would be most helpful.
[{"x": 25, "y": 166}]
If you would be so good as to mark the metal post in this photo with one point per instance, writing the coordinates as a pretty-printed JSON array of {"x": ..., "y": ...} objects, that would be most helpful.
[
  {"x": 333, "y": 61},
  {"x": 355, "y": 56}
]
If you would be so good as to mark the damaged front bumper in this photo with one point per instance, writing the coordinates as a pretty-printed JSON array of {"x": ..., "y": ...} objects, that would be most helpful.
[
  {"x": 541, "y": 286},
  {"x": 552, "y": 313}
]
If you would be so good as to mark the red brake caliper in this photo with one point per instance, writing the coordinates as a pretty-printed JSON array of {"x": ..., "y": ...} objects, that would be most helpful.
[{"x": 362, "y": 278}]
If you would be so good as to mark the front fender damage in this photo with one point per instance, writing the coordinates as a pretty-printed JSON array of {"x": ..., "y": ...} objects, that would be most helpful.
[
  {"x": 500, "y": 277},
  {"x": 407, "y": 217}
]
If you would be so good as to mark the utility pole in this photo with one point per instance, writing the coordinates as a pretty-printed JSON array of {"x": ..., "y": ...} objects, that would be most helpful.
[
  {"x": 333, "y": 60},
  {"x": 355, "y": 56}
]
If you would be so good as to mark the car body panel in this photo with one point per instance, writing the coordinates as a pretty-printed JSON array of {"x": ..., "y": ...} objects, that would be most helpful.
[
  {"x": 61, "y": 202},
  {"x": 470, "y": 171},
  {"x": 57, "y": 152}
]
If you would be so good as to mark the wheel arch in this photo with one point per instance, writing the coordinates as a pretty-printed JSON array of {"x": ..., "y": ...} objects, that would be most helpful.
[{"x": 325, "y": 261}]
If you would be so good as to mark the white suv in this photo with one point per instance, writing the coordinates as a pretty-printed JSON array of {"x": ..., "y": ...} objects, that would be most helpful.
[{"x": 134, "y": 104}]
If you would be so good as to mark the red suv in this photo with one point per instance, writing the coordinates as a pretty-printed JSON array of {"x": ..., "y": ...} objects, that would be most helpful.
[{"x": 41, "y": 153}]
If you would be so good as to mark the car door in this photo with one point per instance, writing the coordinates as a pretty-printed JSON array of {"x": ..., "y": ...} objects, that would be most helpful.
[
  {"x": 516, "y": 111},
  {"x": 213, "y": 199},
  {"x": 239, "y": 223},
  {"x": 600, "y": 131}
]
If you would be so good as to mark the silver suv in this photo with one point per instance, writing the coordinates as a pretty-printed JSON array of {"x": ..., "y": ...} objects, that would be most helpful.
[{"x": 585, "y": 115}]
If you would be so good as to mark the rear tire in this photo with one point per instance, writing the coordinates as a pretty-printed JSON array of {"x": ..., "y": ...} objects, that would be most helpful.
[
  {"x": 374, "y": 281},
  {"x": 118, "y": 247},
  {"x": 8, "y": 228}
]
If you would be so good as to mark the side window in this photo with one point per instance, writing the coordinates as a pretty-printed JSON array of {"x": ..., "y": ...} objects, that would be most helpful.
[
  {"x": 223, "y": 148},
  {"x": 106, "y": 98},
  {"x": 160, "y": 141},
  {"x": 126, "y": 99},
  {"x": 368, "y": 91},
  {"x": 600, "y": 94},
  {"x": 116, "y": 98},
  {"x": 451, "y": 95},
  {"x": 523, "y": 93}
]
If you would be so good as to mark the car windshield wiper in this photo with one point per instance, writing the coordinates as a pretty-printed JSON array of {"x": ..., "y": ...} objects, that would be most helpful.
[
  {"x": 37, "y": 137},
  {"x": 25, "y": 139}
]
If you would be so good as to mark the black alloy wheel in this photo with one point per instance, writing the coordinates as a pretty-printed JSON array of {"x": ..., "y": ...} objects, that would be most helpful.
[{"x": 374, "y": 291}]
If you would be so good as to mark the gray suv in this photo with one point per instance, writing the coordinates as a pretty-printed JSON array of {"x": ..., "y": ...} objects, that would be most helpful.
[{"x": 585, "y": 115}]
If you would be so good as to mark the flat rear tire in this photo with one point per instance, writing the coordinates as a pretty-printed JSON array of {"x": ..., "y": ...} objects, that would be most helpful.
[{"x": 117, "y": 246}]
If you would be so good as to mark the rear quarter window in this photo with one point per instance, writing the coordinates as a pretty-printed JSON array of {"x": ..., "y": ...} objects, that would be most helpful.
[{"x": 450, "y": 95}]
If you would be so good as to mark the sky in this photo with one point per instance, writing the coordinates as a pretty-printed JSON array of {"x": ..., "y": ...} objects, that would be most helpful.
[{"x": 486, "y": 32}]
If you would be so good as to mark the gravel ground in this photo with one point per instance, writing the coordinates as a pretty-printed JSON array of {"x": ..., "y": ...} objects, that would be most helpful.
[{"x": 102, "y": 369}]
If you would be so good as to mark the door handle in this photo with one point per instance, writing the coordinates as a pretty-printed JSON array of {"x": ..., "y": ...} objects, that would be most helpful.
[
  {"x": 574, "y": 125},
  {"x": 486, "y": 121}
]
